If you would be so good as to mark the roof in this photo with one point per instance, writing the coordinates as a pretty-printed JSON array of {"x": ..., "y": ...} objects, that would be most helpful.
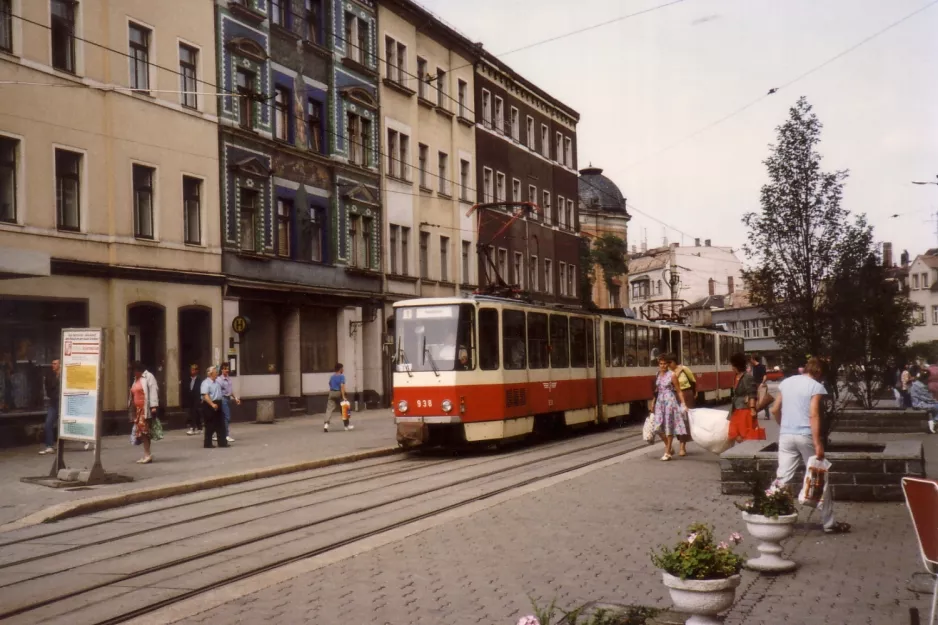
[
  {"x": 599, "y": 192},
  {"x": 928, "y": 258},
  {"x": 707, "y": 303},
  {"x": 646, "y": 262}
]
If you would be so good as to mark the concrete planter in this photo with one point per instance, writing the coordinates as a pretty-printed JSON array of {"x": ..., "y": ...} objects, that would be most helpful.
[
  {"x": 702, "y": 598},
  {"x": 770, "y": 532},
  {"x": 882, "y": 421}
]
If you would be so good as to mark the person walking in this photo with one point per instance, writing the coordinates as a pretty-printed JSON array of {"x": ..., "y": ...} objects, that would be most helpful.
[
  {"x": 144, "y": 399},
  {"x": 668, "y": 406},
  {"x": 797, "y": 410},
  {"x": 758, "y": 378},
  {"x": 336, "y": 397},
  {"x": 53, "y": 383},
  {"x": 227, "y": 396},
  {"x": 211, "y": 410},
  {"x": 687, "y": 383},
  {"x": 744, "y": 420},
  {"x": 923, "y": 399},
  {"x": 193, "y": 401}
]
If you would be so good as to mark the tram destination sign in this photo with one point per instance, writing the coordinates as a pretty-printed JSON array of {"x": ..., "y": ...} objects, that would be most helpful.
[{"x": 81, "y": 383}]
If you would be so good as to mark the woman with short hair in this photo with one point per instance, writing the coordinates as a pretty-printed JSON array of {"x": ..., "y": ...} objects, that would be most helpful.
[
  {"x": 668, "y": 406},
  {"x": 687, "y": 384}
]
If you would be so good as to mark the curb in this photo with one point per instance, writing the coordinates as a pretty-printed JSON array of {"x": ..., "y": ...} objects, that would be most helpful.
[{"x": 142, "y": 495}]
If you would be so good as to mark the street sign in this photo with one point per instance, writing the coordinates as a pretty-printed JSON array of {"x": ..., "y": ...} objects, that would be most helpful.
[
  {"x": 81, "y": 384},
  {"x": 240, "y": 324}
]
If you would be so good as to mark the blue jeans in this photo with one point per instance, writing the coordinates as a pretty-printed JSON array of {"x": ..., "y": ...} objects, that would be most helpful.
[
  {"x": 52, "y": 424},
  {"x": 931, "y": 408},
  {"x": 226, "y": 411}
]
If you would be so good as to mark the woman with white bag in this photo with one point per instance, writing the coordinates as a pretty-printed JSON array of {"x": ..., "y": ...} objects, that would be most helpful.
[{"x": 668, "y": 407}]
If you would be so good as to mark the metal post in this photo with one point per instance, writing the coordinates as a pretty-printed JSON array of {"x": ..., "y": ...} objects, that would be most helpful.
[{"x": 97, "y": 474}]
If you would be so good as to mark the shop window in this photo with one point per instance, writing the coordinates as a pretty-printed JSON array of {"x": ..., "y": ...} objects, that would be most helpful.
[
  {"x": 538, "y": 341},
  {"x": 488, "y": 339},
  {"x": 260, "y": 347},
  {"x": 513, "y": 343},
  {"x": 318, "y": 339}
]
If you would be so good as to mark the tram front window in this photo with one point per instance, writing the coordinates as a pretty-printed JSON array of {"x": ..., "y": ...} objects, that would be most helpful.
[{"x": 435, "y": 338}]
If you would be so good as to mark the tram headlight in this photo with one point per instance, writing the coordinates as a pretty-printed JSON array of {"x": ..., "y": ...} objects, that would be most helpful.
[
  {"x": 447, "y": 405},
  {"x": 402, "y": 405}
]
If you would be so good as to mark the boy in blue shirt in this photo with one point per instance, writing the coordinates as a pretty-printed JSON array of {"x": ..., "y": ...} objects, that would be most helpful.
[{"x": 336, "y": 395}]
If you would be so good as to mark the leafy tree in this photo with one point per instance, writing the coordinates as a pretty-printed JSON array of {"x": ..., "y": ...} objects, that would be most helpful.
[{"x": 609, "y": 253}]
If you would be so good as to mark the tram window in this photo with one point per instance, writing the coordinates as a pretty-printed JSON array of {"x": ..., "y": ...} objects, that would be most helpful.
[
  {"x": 488, "y": 339},
  {"x": 590, "y": 344},
  {"x": 618, "y": 345},
  {"x": 695, "y": 348},
  {"x": 708, "y": 346},
  {"x": 676, "y": 346},
  {"x": 577, "y": 342},
  {"x": 654, "y": 343},
  {"x": 559, "y": 343},
  {"x": 644, "y": 359},
  {"x": 513, "y": 352},
  {"x": 607, "y": 343},
  {"x": 537, "y": 341},
  {"x": 631, "y": 346},
  {"x": 664, "y": 341}
]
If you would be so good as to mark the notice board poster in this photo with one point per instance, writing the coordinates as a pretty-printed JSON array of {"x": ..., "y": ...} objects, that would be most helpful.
[{"x": 81, "y": 383}]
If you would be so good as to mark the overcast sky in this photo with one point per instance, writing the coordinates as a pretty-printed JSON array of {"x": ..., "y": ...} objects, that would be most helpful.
[{"x": 649, "y": 82}]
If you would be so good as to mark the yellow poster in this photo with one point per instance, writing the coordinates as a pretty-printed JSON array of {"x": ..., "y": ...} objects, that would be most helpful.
[{"x": 81, "y": 377}]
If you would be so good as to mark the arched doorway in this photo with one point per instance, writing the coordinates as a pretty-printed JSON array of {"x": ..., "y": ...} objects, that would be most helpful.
[
  {"x": 146, "y": 342},
  {"x": 195, "y": 343}
]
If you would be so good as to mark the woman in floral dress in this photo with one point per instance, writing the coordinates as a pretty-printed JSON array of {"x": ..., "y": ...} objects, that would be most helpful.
[{"x": 668, "y": 406}]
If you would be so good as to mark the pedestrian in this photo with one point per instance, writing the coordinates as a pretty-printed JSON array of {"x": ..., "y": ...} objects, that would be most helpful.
[
  {"x": 758, "y": 378},
  {"x": 923, "y": 399},
  {"x": 905, "y": 383},
  {"x": 53, "y": 384},
  {"x": 143, "y": 400},
  {"x": 211, "y": 410},
  {"x": 897, "y": 387},
  {"x": 744, "y": 419},
  {"x": 797, "y": 410},
  {"x": 668, "y": 406},
  {"x": 227, "y": 396},
  {"x": 687, "y": 383},
  {"x": 336, "y": 397},
  {"x": 193, "y": 401}
]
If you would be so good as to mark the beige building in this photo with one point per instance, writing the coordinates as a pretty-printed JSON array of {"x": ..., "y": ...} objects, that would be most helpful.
[
  {"x": 108, "y": 176},
  {"x": 602, "y": 211},
  {"x": 428, "y": 141}
]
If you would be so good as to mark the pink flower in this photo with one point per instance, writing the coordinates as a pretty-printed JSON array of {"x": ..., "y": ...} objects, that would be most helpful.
[
  {"x": 691, "y": 538},
  {"x": 723, "y": 546},
  {"x": 736, "y": 538},
  {"x": 529, "y": 620}
]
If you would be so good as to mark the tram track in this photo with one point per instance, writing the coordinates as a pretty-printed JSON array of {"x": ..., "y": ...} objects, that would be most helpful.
[{"x": 261, "y": 546}]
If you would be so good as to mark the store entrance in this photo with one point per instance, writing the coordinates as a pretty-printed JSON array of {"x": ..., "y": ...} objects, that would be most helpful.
[
  {"x": 195, "y": 343},
  {"x": 146, "y": 342}
]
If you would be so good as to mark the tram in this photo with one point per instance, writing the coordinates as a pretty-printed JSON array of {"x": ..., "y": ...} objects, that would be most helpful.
[{"x": 485, "y": 368}]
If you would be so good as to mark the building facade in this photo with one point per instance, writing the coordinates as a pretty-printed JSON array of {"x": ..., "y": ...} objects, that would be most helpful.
[
  {"x": 923, "y": 290},
  {"x": 602, "y": 211},
  {"x": 114, "y": 181},
  {"x": 301, "y": 210},
  {"x": 526, "y": 152},
  {"x": 756, "y": 327}
]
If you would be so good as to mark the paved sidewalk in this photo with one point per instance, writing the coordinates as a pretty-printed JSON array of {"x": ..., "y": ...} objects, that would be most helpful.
[{"x": 178, "y": 457}]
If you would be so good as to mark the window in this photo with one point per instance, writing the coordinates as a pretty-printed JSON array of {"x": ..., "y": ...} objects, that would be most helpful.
[
  {"x": 578, "y": 342},
  {"x": 548, "y": 277},
  {"x": 538, "y": 341},
  {"x": 444, "y": 259},
  {"x": 192, "y": 209},
  {"x": 281, "y": 114},
  {"x": 545, "y": 141},
  {"x": 499, "y": 187},
  {"x": 356, "y": 38},
  {"x": 488, "y": 339},
  {"x": 440, "y": 88},
  {"x": 393, "y": 238},
  {"x": 533, "y": 270},
  {"x": 68, "y": 189},
  {"x": 188, "y": 83},
  {"x": 63, "y": 35},
  {"x": 314, "y": 234},
  {"x": 313, "y": 20},
  {"x": 515, "y": 190},
  {"x": 570, "y": 222},
  {"x": 513, "y": 343},
  {"x": 318, "y": 339},
  {"x": 393, "y": 161},
  {"x": 260, "y": 348},
  {"x": 443, "y": 175},
  {"x": 423, "y": 78},
  {"x": 8, "y": 160},
  {"x": 621, "y": 346},
  {"x": 924, "y": 280},
  {"x": 466, "y": 248},
  {"x": 563, "y": 279},
  {"x": 571, "y": 280},
  {"x": 559, "y": 343},
  {"x": 424, "y": 255},
  {"x": 515, "y": 125},
  {"x": 518, "y": 269},
  {"x": 915, "y": 281},
  {"x": 487, "y": 185},
  {"x": 422, "y": 155},
  {"x": 590, "y": 344},
  {"x": 314, "y": 126},
  {"x": 464, "y": 180},
  {"x": 139, "y": 58},
  {"x": 284, "y": 219},
  {"x": 499, "y": 115},
  {"x": 486, "y": 108},
  {"x": 503, "y": 263},
  {"x": 558, "y": 153},
  {"x": 250, "y": 203},
  {"x": 532, "y": 197},
  {"x": 359, "y": 134},
  {"x": 367, "y": 247},
  {"x": 561, "y": 213},
  {"x": 6, "y": 25},
  {"x": 568, "y": 151},
  {"x": 395, "y": 57},
  {"x": 354, "y": 230},
  {"x": 245, "y": 88},
  {"x": 462, "y": 93},
  {"x": 405, "y": 251},
  {"x": 529, "y": 133},
  {"x": 278, "y": 12},
  {"x": 548, "y": 217}
]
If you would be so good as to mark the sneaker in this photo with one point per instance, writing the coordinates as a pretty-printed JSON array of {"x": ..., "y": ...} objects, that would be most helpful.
[
  {"x": 230, "y": 440},
  {"x": 47, "y": 450},
  {"x": 190, "y": 432},
  {"x": 325, "y": 427},
  {"x": 931, "y": 426},
  {"x": 349, "y": 427}
]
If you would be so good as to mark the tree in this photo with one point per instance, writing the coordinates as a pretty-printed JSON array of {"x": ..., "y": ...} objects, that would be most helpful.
[{"x": 608, "y": 252}]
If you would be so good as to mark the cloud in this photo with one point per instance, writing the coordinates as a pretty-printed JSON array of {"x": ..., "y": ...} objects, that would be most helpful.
[{"x": 705, "y": 19}]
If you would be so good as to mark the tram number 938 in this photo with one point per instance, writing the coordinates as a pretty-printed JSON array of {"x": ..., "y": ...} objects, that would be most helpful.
[{"x": 425, "y": 403}]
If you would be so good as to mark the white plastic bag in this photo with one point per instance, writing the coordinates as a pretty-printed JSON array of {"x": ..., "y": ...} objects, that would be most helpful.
[
  {"x": 648, "y": 430},
  {"x": 816, "y": 487},
  {"x": 710, "y": 429}
]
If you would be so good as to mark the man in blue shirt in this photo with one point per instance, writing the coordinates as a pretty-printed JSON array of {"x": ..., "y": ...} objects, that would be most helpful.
[
  {"x": 211, "y": 405},
  {"x": 797, "y": 409},
  {"x": 922, "y": 398},
  {"x": 336, "y": 395},
  {"x": 227, "y": 396}
]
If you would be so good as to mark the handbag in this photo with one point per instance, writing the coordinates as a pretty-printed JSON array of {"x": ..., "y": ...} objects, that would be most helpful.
[{"x": 765, "y": 398}]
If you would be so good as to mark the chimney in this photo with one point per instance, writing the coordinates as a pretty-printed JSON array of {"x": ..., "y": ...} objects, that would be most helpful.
[
  {"x": 905, "y": 258},
  {"x": 729, "y": 285},
  {"x": 707, "y": 242},
  {"x": 697, "y": 242},
  {"x": 644, "y": 247},
  {"x": 887, "y": 254},
  {"x": 713, "y": 285}
]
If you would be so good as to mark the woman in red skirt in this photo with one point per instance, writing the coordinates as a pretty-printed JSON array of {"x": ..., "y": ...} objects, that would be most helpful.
[{"x": 744, "y": 420}]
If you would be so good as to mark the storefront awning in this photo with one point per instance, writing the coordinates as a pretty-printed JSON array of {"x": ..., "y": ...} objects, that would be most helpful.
[{"x": 20, "y": 263}]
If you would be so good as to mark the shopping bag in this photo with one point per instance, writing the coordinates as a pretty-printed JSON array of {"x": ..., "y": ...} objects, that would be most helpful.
[
  {"x": 710, "y": 429},
  {"x": 648, "y": 430},
  {"x": 765, "y": 398},
  {"x": 816, "y": 488},
  {"x": 156, "y": 429}
]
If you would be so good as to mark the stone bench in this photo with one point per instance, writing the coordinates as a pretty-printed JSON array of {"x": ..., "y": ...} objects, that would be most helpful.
[{"x": 882, "y": 421}]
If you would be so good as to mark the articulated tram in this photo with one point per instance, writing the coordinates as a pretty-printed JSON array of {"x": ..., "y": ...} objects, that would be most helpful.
[{"x": 484, "y": 368}]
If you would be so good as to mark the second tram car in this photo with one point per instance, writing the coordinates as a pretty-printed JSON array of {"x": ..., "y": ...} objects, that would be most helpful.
[{"x": 484, "y": 368}]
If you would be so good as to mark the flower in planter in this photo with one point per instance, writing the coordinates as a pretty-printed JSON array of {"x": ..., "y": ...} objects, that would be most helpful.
[
  {"x": 529, "y": 620},
  {"x": 774, "y": 501},
  {"x": 698, "y": 557}
]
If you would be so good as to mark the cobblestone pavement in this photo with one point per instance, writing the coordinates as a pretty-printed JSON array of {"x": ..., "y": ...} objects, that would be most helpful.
[
  {"x": 178, "y": 457},
  {"x": 589, "y": 539}
]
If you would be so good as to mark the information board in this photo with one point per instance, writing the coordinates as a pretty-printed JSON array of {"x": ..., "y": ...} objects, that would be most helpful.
[{"x": 81, "y": 384}]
